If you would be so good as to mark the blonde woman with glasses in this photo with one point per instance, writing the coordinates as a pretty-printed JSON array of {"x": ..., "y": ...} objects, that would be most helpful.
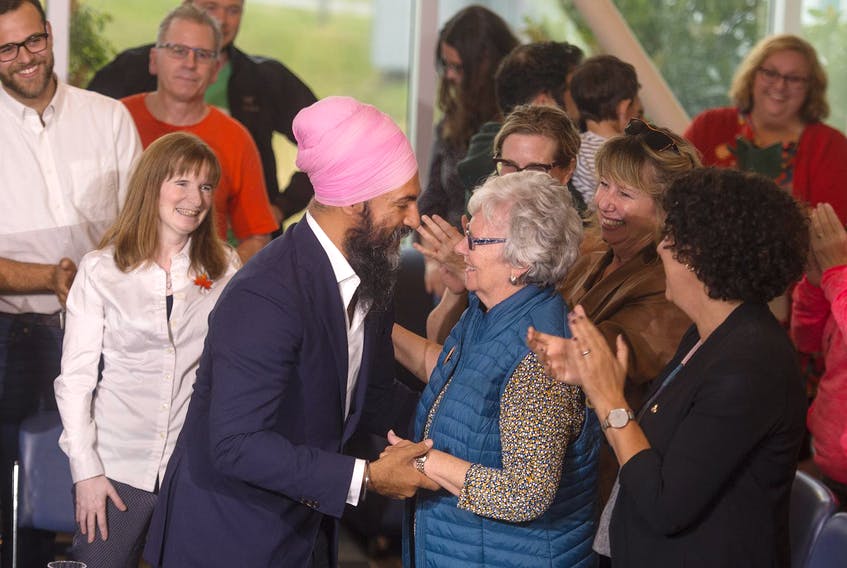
[{"x": 775, "y": 126}]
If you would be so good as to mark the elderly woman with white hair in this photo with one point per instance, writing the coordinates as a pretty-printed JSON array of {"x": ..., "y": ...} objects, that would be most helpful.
[{"x": 510, "y": 444}]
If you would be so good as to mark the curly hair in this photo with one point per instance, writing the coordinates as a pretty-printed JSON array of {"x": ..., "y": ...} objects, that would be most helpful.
[
  {"x": 540, "y": 120},
  {"x": 744, "y": 237},
  {"x": 815, "y": 108},
  {"x": 482, "y": 39},
  {"x": 532, "y": 69},
  {"x": 544, "y": 228}
]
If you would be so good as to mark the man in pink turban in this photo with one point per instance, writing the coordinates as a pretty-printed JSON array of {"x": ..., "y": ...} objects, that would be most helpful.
[{"x": 299, "y": 356}]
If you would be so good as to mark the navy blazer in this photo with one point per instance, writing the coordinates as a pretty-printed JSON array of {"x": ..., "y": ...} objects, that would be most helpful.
[
  {"x": 258, "y": 463},
  {"x": 714, "y": 487}
]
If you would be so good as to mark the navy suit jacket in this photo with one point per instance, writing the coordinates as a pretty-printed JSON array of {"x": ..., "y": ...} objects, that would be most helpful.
[{"x": 258, "y": 463}]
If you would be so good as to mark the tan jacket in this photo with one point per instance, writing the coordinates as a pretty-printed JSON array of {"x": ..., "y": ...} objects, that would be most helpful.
[{"x": 630, "y": 302}]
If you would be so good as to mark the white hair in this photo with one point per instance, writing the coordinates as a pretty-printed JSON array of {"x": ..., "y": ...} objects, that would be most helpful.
[{"x": 544, "y": 230}]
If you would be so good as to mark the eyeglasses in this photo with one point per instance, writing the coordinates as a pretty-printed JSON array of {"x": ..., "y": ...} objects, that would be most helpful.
[
  {"x": 36, "y": 43},
  {"x": 504, "y": 167},
  {"x": 656, "y": 139},
  {"x": 473, "y": 241},
  {"x": 179, "y": 51},
  {"x": 772, "y": 76}
]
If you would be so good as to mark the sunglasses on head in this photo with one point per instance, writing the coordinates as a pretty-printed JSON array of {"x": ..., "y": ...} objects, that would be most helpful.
[{"x": 653, "y": 137}]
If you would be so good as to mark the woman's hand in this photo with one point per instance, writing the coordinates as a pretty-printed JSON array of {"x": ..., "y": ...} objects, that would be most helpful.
[
  {"x": 602, "y": 374},
  {"x": 439, "y": 238},
  {"x": 395, "y": 442},
  {"x": 553, "y": 353},
  {"x": 829, "y": 239},
  {"x": 91, "y": 495}
]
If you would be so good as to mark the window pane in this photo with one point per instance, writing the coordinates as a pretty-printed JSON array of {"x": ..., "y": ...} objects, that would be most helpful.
[
  {"x": 824, "y": 24},
  {"x": 697, "y": 44},
  {"x": 358, "y": 48}
]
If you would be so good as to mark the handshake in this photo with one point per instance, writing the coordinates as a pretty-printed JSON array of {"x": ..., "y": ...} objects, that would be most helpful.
[{"x": 394, "y": 474}]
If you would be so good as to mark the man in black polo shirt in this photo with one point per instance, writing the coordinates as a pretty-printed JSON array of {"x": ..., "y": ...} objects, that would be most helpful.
[{"x": 261, "y": 93}]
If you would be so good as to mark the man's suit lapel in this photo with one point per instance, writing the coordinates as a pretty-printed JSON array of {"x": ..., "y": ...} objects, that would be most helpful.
[{"x": 321, "y": 288}]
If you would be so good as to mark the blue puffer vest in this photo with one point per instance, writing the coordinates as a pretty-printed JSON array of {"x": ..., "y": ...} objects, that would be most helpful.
[{"x": 481, "y": 353}]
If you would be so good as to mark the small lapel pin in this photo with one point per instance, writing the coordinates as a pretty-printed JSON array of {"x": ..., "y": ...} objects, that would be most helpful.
[
  {"x": 654, "y": 409},
  {"x": 449, "y": 354}
]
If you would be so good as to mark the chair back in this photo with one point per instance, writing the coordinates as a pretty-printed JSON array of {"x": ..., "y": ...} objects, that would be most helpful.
[
  {"x": 830, "y": 549},
  {"x": 44, "y": 497},
  {"x": 812, "y": 503}
]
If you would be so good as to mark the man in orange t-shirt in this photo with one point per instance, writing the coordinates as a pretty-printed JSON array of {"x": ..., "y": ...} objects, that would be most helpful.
[{"x": 185, "y": 64}]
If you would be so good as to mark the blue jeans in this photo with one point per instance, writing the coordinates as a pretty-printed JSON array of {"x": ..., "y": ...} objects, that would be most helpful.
[{"x": 30, "y": 357}]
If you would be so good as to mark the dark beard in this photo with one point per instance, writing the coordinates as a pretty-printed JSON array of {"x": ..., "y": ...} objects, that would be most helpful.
[
  {"x": 374, "y": 254},
  {"x": 11, "y": 83}
]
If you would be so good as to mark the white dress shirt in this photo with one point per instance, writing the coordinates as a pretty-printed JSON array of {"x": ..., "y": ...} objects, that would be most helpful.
[
  {"x": 62, "y": 182},
  {"x": 348, "y": 282},
  {"x": 126, "y": 425}
]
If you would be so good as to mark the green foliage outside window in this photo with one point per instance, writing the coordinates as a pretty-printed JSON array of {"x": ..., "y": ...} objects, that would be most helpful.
[
  {"x": 89, "y": 48},
  {"x": 828, "y": 33},
  {"x": 697, "y": 45}
]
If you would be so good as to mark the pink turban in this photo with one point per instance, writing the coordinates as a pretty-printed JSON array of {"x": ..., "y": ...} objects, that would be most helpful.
[{"x": 351, "y": 151}]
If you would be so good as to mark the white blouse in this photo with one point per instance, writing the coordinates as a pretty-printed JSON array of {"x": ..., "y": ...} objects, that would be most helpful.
[{"x": 126, "y": 425}]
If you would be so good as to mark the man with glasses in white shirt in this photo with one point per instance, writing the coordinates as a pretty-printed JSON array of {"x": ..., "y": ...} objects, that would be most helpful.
[
  {"x": 65, "y": 156},
  {"x": 185, "y": 62}
]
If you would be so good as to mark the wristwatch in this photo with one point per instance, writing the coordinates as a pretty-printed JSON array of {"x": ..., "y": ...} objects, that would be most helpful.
[
  {"x": 618, "y": 418},
  {"x": 419, "y": 463}
]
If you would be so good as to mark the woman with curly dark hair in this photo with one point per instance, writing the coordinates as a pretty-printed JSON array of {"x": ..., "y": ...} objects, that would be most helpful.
[{"x": 707, "y": 465}]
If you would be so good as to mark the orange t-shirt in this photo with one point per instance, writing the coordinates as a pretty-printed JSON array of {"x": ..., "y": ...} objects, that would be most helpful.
[{"x": 241, "y": 200}]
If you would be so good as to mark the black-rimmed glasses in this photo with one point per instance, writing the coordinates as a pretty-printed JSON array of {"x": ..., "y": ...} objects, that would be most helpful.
[
  {"x": 473, "y": 242},
  {"x": 36, "y": 43},
  {"x": 504, "y": 167},
  {"x": 179, "y": 51},
  {"x": 653, "y": 137}
]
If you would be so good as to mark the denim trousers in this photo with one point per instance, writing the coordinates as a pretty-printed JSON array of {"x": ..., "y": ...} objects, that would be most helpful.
[{"x": 30, "y": 357}]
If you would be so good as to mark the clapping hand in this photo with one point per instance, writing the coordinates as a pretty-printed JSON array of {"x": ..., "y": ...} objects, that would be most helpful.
[
  {"x": 828, "y": 240},
  {"x": 586, "y": 360},
  {"x": 439, "y": 239}
]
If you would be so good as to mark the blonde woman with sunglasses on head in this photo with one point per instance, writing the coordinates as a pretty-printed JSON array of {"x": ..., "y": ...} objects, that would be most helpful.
[{"x": 621, "y": 285}]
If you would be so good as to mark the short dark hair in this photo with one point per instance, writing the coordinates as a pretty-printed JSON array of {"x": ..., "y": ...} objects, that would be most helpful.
[
  {"x": 11, "y": 5},
  {"x": 744, "y": 237},
  {"x": 600, "y": 83},
  {"x": 532, "y": 69}
]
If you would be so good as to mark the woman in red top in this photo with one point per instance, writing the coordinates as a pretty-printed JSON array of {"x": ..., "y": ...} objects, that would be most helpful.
[
  {"x": 819, "y": 324},
  {"x": 775, "y": 127}
]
